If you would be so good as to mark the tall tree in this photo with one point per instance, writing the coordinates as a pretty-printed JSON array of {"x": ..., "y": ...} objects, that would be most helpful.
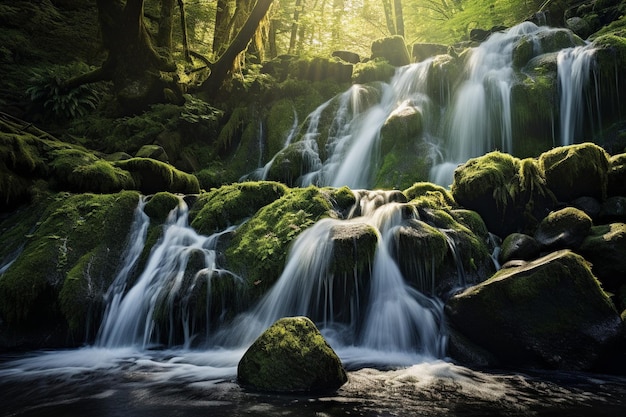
[
  {"x": 394, "y": 16},
  {"x": 221, "y": 68},
  {"x": 132, "y": 63}
]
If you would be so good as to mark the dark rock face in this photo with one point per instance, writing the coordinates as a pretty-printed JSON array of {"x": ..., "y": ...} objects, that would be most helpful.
[
  {"x": 518, "y": 246},
  {"x": 291, "y": 356},
  {"x": 549, "y": 313},
  {"x": 562, "y": 229},
  {"x": 605, "y": 248}
]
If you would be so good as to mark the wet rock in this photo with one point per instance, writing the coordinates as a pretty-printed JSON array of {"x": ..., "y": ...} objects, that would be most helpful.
[
  {"x": 549, "y": 313},
  {"x": 579, "y": 26},
  {"x": 291, "y": 356},
  {"x": 518, "y": 246},
  {"x": 605, "y": 248},
  {"x": 563, "y": 229},
  {"x": 613, "y": 210},
  {"x": 589, "y": 205},
  {"x": 617, "y": 175},
  {"x": 575, "y": 171}
]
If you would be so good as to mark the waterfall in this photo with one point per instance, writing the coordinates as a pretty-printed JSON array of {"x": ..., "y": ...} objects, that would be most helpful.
[
  {"x": 385, "y": 320},
  {"x": 574, "y": 66},
  {"x": 164, "y": 287},
  {"x": 477, "y": 120}
]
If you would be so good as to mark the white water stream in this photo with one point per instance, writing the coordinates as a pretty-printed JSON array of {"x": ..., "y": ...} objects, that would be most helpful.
[{"x": 476, "y": 121}]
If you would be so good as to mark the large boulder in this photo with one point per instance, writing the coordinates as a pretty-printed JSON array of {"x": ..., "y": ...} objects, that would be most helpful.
[
  {"x": 510, "y": 194},
  {"x": 291, "y": 356},
  {"x": 549, "y": 313},
  {"x": 617, "y": 175},
  {"x": 393, "y": 49},
  {"x": 576, "y": 170},
  {"x": 605, "y": 248}
]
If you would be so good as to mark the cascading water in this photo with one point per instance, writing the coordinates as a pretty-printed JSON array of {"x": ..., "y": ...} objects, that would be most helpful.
[
  {"x": 164, "y": 284},
  {"x": 574, "y": 66},
  {"x": 385, "y": 320},
  {"x": 354, "y": 133},
  {"x": 479, "y": 118}
]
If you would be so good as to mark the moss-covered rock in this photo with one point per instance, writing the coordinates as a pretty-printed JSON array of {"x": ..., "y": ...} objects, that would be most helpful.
[
  {"x": 576, "y": 171},
  {"x": 259, "y": 247},
  {"x": 488, "y": 185},
  {"x": 404, "y": 155},
  {"x": 467, "y": 252},
  {"x": 152, "y": 151},
  {"x": 56, "y": 282},
  {"x": 427, "y": 194},
  {"x": 393, "y": 49},
  {"x": 292, "y": 162},
  {"x": 550, "y": 313},
  {"x": 518, "y": 246},
  {"x": 291, "y": 356},
  {"x": 529, "y": 46},
  {"x": 354, "y": 245},
  {"x": 420, "y": 252},
  {"x": 232, "y": 204},
  {"x": 160, "y": 205},
  {"x": 617, "y": 176},
  {"x": 373, "y": 70},
  {"x": 151, "y": 176},
  {"x": 78, "y": 170},
  {"x": 563, "y": 229},
  {"x": 605, "y": 248}
]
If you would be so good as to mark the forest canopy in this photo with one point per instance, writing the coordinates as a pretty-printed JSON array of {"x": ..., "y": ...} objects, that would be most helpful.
[{"x": 321, "y": 26}]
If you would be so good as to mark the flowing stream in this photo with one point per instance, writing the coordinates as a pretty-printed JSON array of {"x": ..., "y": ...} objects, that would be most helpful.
[
  {"x": 392, "y": 342},
  {"x": 388, "y": 333}
]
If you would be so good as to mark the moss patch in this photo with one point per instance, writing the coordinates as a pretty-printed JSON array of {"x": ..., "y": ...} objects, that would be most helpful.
[
  {"x": 291, "y": 356},
  {"x": 259, "y": 247},
  {"x": 232, "y": 204},
  {"x": 65, "y": 266}
]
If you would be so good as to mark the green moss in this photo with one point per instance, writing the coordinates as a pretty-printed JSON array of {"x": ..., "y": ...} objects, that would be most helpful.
[
  {"x": 231, "y": 133},
  {"x": 280, "y": 120},
  {"x": 373, "y": 70},
  {"x": 259, "y": 247},
  {"x": 492, "y": 174},
  {"x": 152, "y": 176},
  {"x": 426, "y": 194},
  {"x": 160, "y": 205},
  {"x": 64, "y": 261},
  {"x": 232, "y": 204},
  {"x": 576, "y": 170},
  {"x": 20, "y": 154},
  {"x": 291, "y": 355}
]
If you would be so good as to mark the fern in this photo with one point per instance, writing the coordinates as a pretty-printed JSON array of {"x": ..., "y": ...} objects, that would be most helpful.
[{"x": 52, "y": 101}]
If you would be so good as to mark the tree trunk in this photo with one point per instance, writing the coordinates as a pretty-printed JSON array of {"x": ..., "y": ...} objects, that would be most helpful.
[
  {"x": 391, "y": 24},
  {"x": 183, "y": 28},
  {"x": 222, "y": 19},
  {"x": 294, "y": 26},
  {"x": 221, "y": 68},
  {"x": 132, "y": 63},
  {"x": 399, "y": 15},
  {"x": 166, "y": 25}
]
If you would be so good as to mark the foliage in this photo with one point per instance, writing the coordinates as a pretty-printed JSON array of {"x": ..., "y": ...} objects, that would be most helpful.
[{"x": 52, "y": 100}]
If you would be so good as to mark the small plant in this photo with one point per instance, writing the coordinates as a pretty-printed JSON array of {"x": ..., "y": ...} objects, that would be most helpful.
[{"x": 52, "y": 100}]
